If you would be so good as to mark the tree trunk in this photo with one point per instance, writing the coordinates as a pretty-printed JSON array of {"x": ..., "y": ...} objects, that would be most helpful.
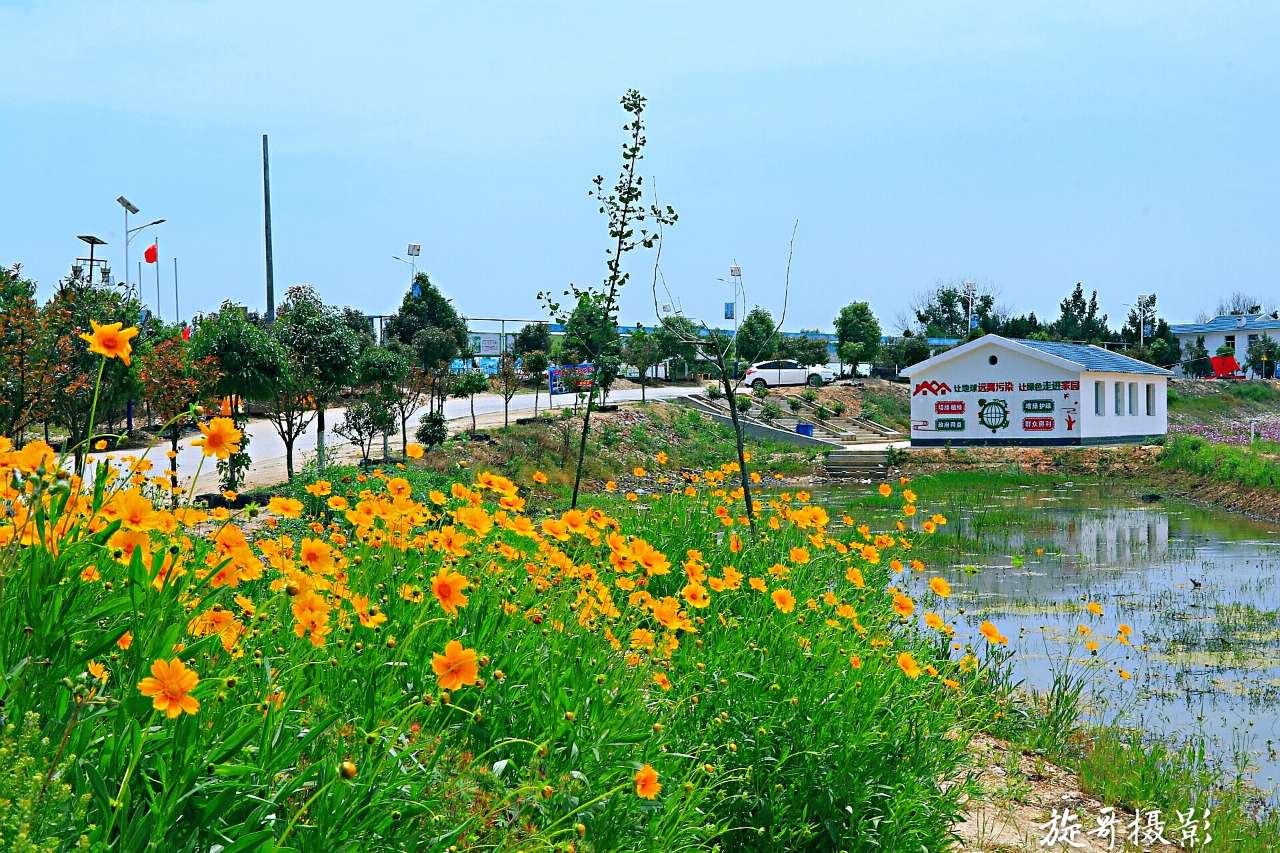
[
  {"x": 404, "y": 435},
  {"x": 473, "y": 412},
  {"x": 174, "y": 435},
  {"x": 320, "y": 438},
  {"x": 582, "y": 452},
  {"x": 288, "y": 460},
  {"x": 536, "y": 389},
  {"x": 732, "y": 398},
  {"x": 642, "y": 399}
]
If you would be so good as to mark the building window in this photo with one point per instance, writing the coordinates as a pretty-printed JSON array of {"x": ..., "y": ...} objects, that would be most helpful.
[
  {"x": 1100, "y": 398},
  {"x": 1151, "y": 399},
  {"x": 1133, "y": 398},
  {"x": 1252, "y": 339},
  {"x": 1119, "y": 398},
  {"x": 1230, "y": 341}
]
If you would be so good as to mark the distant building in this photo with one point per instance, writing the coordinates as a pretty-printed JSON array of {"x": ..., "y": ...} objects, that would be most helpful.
[
  {"x": 1237, "y": 331},
  {"x": 999, "y": 391}
]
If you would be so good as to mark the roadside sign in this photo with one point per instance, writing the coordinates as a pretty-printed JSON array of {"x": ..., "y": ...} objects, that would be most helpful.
[{"x": 570, "y": 378}]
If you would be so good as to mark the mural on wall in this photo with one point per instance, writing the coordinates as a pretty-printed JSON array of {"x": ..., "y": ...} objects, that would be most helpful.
[{"x": 1035, "y": 407}]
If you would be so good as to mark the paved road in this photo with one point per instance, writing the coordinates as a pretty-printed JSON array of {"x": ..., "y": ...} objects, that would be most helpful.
[{"x": 267, "y": 450}]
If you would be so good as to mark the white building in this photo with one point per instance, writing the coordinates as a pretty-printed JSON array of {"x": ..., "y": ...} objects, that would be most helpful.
[
  {"x": 998, "y": 391},
  {"x": 1237, "y": 331}
]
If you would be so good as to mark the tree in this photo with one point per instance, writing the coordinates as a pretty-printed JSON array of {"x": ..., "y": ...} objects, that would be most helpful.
[
  {"x": 382, "y": 373},
  {"x": 536, "y": 363},
  {"x": 413, "y": 392},
  {"x": 249, "y": 367},
  {"x": 1080, "y": 319},
  {"x": 436, "y": 347},
  {"x": 905, "y": 351},
  {"x": 857, "y": 334},
  {"x": 323, "y": 349},
  {"x": 468, "y": 385},
  {"x": 624, "y": 211},
  {"x": 532, "y": 338},
  {"x": 943, "y": 311},
  {"x": 1239, "y": 304},
  {"x": 364, "y": 420},
  {"x": 1262, "y": 356},
  {"x": 1197, "y": 359},
  {"x": 24, "y": 392},
  {"x": 172, "y": 383},
  {"x": 805, "y": 347},
  {"x": 757, "y": 337},
  {"x": 673, "y": 334},
  {"x": 591, "y": 336},
  {"x": 429, "y": 324},
  {"x": 507, "y": 381},
  {"x": 642, "y": 351},
  {"x": 290, "y": 408}
]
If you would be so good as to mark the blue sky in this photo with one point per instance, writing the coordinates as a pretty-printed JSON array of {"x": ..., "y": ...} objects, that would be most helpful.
[{"x": 1027, "y": 145}]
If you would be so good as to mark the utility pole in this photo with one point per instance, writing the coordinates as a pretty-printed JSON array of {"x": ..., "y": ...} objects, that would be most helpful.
[
  {"x": 177, "y": 318},
  {"x": 1142, "y": 320},
  {"x": 970, "y": 292},
  {"x": 266, "y": 202}
]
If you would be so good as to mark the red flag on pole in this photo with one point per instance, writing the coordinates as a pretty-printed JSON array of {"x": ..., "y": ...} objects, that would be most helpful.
[{"x": 152, "y": 254}]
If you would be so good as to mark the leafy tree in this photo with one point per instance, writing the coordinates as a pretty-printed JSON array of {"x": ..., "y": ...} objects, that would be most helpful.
[
  {"x": 173, "y": 381},
  {"x": 804, "y": 347},
  {"x": 532, "y": 338},
  {"x": 943, "y": 311},
  {"x": 1080, "y": 319},
  {"x": 432, "y": 430},
  {"x": 507, "y": 381},
  {"x": 536, "y": 363},
  {"x": 857, "y": 334},
  {"x": 1262, "y": 356},
  {"x": 624, "y": 210},
  {"x": 675, "y": 334},
  {"x": 289, "y": 406},
  {"x": 905, "y": 351},
  {"x": 436, "y": 348},
  {"x": 591, "y": 336},
  {"x": 468, "y": 385},
  {"x": 1197, "y": 361},
  {"x": 383, "y": 373},
  {"x": 364, "y": 420},
  {"x": 1024, "y": 326},
  {"x": 323, "y": 348},
  {"x": 424, "y": 306},
  {"x": 24, "y": 391},
  {"x": 642, "y": 351},
  {"x": 361, "y": 325},
  {"x": 757, "y": 337}
]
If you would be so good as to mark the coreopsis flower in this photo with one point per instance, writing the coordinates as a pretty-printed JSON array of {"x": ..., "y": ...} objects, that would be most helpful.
[
  {"x": 783, "y": 600},
  {"x": 285, "y": 507},
  {"x": 413, "y": 451},
  {"x": 940, "y": 587},
  {"x": 457, "y": 667},
  {"x": 647, "y": 785},
  {"x": 903, "y": 605},
  {"x": 169, "y": 686},
  {"x": 539, "y": 478},
  {"x": 661, "y": 458},
  {"x": 220, "y": 438},
  {"x": 110, "y": 340},
  {"x": 992, "y": 634},
  {"x": 448, "y": 587},
  {"x": 886, "y": 490},
  {"x": 907, "y": 663},
  {"x": 320, "y": 488},
  {"x": 1094, "y": 607}
]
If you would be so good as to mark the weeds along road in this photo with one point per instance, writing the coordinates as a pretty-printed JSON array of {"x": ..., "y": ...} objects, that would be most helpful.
[{"x": 267, "y": 450}]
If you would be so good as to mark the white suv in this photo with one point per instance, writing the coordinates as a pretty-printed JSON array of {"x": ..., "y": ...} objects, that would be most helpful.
[{"x": 785, "y": 372}]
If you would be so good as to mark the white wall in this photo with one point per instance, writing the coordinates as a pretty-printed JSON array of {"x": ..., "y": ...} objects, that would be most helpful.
[
  {"x": 1213, "y": 340},
  {"x": 1042, "y": 400},
  {"x": 1109, "y": 424}
]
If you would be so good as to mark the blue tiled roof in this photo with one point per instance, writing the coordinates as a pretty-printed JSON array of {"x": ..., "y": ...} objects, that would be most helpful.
[
  {"x": 1090, "y": 357},
  {"x": 1229, "y": 323}
]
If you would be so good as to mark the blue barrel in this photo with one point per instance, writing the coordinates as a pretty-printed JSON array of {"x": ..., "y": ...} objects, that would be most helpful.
[{"x": 805, "y": 429}]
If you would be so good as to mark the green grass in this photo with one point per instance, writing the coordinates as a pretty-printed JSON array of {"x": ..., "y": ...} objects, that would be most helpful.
[
  {"x": 1232, "y": 399},
  {"x": 887, "y": 409},
  {"x": 1240, "y": 465}
]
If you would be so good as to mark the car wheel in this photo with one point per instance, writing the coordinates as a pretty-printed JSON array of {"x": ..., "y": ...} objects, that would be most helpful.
[
  {"x": 815, "y": 380},
  {"x": 759, "y": 383}
]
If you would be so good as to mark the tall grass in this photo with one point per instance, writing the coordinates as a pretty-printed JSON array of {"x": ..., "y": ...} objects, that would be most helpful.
[{"x": 1245, "y": 466}]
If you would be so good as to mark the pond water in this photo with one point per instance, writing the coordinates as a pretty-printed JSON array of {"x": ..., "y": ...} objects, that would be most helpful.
[{"x": 1200, "y": 589}]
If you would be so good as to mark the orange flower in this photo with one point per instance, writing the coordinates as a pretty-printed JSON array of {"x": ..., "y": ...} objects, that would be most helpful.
[
  {"x": 126, "y": 640},
  {"x": 886, "y": 489},
  {"x": 940, "y": 587},
  {"x": 539, "y": 478},
  {"x": 220, "y": 439},
  {"x": 661, "y": 458},
  {"x": 456, "y": 667},
  {"x": 638, "y": 471},
  {"x": 1094, "y": 607},
  {"x": 903, "y": 606},
  {"x": 99, "y": 671},
  {"x": 110, "y": 341},
  {"x": 170, "y": 686},
  {"x": 647, "y": 785},
  {"x": 907, "y": 663},
  {"x": 992, "y": 633},
  {"x": 784, "y": 600},
  {"x": 448, "y": 586},
  {"x": 285, "y": 507},
  {"x": 320, "y": 488},
  {"x": 413, "y": 451},
  {"x": 800, "y": 555}
]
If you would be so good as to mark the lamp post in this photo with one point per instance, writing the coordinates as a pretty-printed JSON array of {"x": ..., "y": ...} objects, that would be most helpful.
[{"x": 129, "y": 234}]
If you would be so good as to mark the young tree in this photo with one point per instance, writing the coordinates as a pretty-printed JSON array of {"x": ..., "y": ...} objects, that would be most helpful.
[
  {"x": 429, "y": 324},
  {"x": 805, "y": 347},
  {"x": 642, "y": 351},
  {"x": 172, "y": 383},
  {"x": 591, "y": 336},
  {"x": 468, "y": 385},
  {"x": 1262, "y": 356},
  {"x": 1197, "y": 359},
  {"x": 413, "y": 393},
  {"x": 324, "y": 349},
  {"x": 507, "y": 381},
  {"x": 290, "y": 408},
  {"x": 536, "y": 363},
  {"x": 362, "y": 423},
  {"x": 857, "y": 334},
  {"x": 436, "y": 348},
  {"x": 673, "y": 334},
  {"x": 1239, "y": 304},
  {"x": 249, "y": 366},
  {"x": 533, "y": 337},
  {"x": 624, "y": 210},
  {"x": 382, "y": 373}
]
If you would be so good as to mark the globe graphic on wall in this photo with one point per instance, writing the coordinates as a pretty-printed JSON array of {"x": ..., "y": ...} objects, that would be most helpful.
[{"x": 993, "y": 414}]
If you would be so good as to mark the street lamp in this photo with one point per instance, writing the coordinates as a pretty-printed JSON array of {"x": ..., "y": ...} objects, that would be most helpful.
[
  {"x": 130, "y": 207},
  {"x": 94, "y": 243}
]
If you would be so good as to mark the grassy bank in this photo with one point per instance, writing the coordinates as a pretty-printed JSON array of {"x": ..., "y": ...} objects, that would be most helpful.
[{"x": 1253, "y": 466}]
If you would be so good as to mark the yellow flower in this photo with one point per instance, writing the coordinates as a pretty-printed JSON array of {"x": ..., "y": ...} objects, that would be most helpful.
[
  {"x": 170, "y": 686},
  {"x": 457, "y": 667},
  {"x": 285, "y": 507},
  {"x": 907, "y": 663},
  {"x": 647, "y": 785},
  {"x": 784, "y": 600},
  {"x": 903, "y": 606},
  {"x": 110, "y": 341},
  {"x": 413, "y": 451},
  {"x": 1094, "y": 607},
  {"x": 940, "y": 587},
  {"x": 220, "y": 439},
  {"x": 539, "y": 478},
  {"x": 885, "y": 490}
]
